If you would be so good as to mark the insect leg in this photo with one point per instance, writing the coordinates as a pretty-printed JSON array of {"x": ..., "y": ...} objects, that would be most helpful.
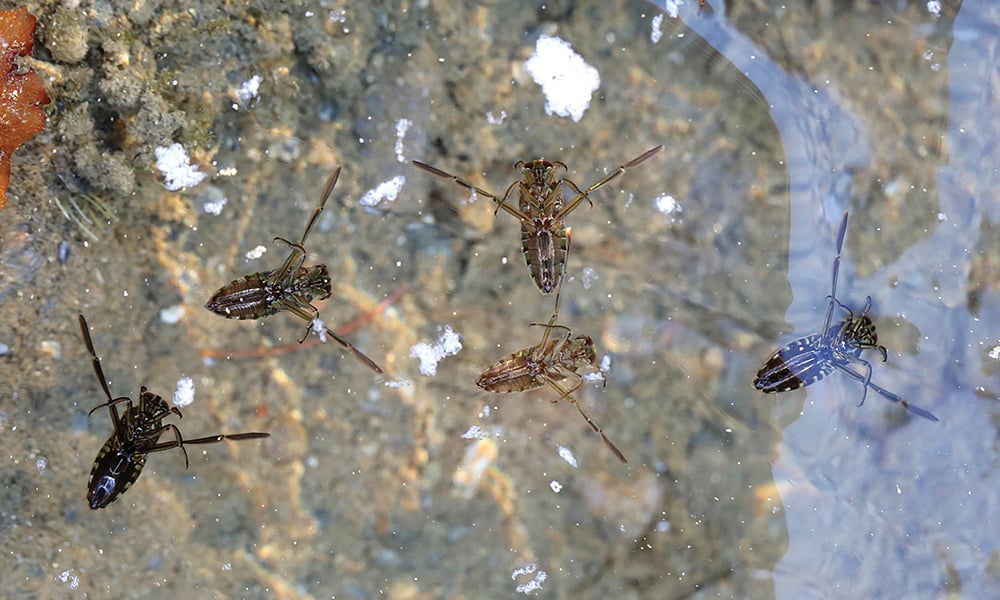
[
  {"x": 593, "y": 425},
  {"x": 539, "y": 350},
  {"x": 841, "y": 234},
  {"x": 291, "y": 264},
  {"x": 302, "y": 310},
  {"x": 510, "y": 208},
  {"x": 110, "y": 403},
  {"x": 330, "y": 183},
  {"x": 911, "y": 408},
  {"x": 178, "y": 441},
  {"x": 95, "y": 361},
  {"x": 210, "y": 439},
  {"x": 614, "y": 174}
]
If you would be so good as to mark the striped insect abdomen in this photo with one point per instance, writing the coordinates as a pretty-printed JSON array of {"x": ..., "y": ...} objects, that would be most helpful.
[
  {"x": 545, "y": 245},
  {"x": 245, "y": 298},
  {"x": 798, "y": 364},
  {"x": 516, "y": 373}
]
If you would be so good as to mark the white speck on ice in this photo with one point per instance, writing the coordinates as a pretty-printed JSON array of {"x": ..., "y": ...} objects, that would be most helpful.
[
  {"x": 666, "y": 204},
  {"x": 449, "y": 342},
  {"x": 256, "y": 253},
  {"x": 172, "y": 314},
  {"x": 662, "y": 526},
  {"x": 942, "y": 217},
  {"x": 673, "y": 7},
  {"x": 227, "y": 566},
  {"x": 67, "y": 576},
  {"x": 214, "y": 207},
  {"x": 485, "y": 412},
  {"x": 532, "y": 586},
  {"x": 475, "y": 432},
  {"x": 40, "y": 463},
  {"x": 248, "y": 91},
  {"x": 402, "y": 126},
  {"x": 527, "y": 570},
  {"x": 555, "y": 485},
  {"x": 566, "y": 80},
  {"x": 602, "y": 373},
  {"x": 494, "y": 119},
  {"x": 174, "y": 163},
  {"x": 995, "y": 352},
  {"x": 184, "y": 394},
  {"x": 656, "y": 34},
  {"x": 589, "y": 277},
  {"x": 387, "y": 190},
  {"x": 397, "y": 383},
  {"x": 934, "y": 7},
  {"x": 567, "y": 455},
  {"x": 320, "y": 328}
]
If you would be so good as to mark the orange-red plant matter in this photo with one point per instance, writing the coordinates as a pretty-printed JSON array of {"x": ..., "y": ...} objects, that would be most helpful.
[{"x": 22, "y": 95}]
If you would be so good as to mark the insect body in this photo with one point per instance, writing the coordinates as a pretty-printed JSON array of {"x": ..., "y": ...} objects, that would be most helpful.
[
  {"x": 137, "y": 433},
  {"x": 290, "y": 287},
  {"x": 838, "y": 347},
  {"x": 541, "y": 210},
  {"x": 809, "y": 359},
  {"x": 550, "y": 362}
]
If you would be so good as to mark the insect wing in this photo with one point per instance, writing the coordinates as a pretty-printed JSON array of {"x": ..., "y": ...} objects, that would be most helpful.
[
  {"x": 510, "y": 374},
  {"x": 796, "y": 365},
  {"x": 244, "y": 298}
]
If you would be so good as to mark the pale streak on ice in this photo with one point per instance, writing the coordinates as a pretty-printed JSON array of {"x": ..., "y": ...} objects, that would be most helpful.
[
  {"x": 402, "y": 126},
  {"x": 397, "y": 383},
  {"x": 567, "y": 455},
  {"x": 656, "y": 34}
]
